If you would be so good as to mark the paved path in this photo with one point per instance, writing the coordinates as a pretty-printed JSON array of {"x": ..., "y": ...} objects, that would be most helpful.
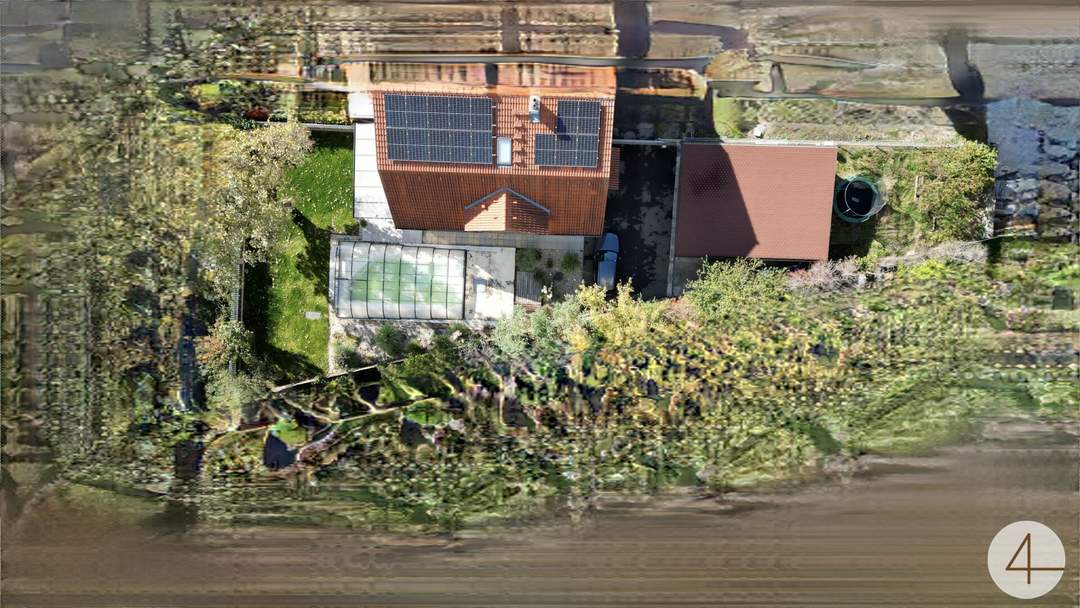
[{"x": 640, "y": 214}]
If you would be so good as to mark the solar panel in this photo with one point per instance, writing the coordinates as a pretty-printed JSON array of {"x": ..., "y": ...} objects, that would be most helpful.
[
  {"x": 438, "y": 128},
  {"x": 566, "y": 150},
  {"x": 578, "y": 117},
  {"x": 576, "y": 140}
]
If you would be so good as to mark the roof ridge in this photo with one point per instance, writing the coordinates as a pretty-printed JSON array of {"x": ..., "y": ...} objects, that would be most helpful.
[{"x": 509, "y": 191}]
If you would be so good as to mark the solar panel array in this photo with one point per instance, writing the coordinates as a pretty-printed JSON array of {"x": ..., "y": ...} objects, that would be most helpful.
[
  {"x": 438, "y": 128},
  {"x": 576, "y": 140}
]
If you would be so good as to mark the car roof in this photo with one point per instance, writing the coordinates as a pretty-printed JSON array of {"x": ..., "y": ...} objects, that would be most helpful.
[{"x": 609, "y": 242}]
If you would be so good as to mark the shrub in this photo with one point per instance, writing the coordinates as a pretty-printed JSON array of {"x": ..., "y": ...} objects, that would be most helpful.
[
  {"x": 422, "y": 371},
  {"x": 827, "y": 275},
  {"x": 1027, "y": 320},
  {"x": 526, "y": 259},
  {"x": 1018, "y": 254},
  {"x": 511, "y": 335},
  {"x": 930, "y": 270},
  {"x": 736, "y": 293},
  {"x": 447, "y": 346},
  {"x": 541, "y": 339},
  {"x": 227, "y": 341},
  {"x": 391, "y": 340},
  {"x": 226, "y": 396},
  {"x": 346, "y": 353},
  {"x": 570, "y": 263},
  {"x": 728, "y": 117},
  {"x": 1054, "y": 395},
  {"x": 873, "y": 255},
  {"x": 324, "y": 116},
  {"x": 340, "y": 386}
]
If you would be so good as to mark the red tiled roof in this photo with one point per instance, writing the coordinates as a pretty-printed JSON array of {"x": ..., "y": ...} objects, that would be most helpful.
[
  {"x": 433, "y": 196},
  {"x": 755, "y": 200},
  {"x": 506, "y": 210}
]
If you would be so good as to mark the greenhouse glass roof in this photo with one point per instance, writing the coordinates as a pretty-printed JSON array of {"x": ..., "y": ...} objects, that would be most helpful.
[{"x": 387, "y": 281}]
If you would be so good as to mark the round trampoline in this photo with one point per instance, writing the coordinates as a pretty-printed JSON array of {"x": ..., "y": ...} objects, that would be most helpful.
[{"x": 857, "y": 200}]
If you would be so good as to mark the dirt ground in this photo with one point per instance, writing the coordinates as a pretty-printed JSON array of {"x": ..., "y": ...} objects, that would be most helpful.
[{"x": 917, "y": 528}]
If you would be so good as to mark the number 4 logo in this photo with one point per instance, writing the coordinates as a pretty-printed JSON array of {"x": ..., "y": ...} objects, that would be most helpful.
[
  {"x": 1030, "y": 548},
  {"x": 1028, "y": 567}
]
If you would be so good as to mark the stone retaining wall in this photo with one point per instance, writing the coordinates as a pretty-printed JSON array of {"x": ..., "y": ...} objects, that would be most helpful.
[{"x": 1038, "y": 156}]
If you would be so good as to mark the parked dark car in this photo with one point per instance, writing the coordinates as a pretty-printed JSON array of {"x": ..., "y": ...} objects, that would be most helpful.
[{"x": 607, "y": 255}]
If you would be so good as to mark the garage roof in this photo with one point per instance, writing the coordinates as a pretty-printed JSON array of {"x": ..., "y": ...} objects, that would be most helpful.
[{"x": 755, "y": 200}]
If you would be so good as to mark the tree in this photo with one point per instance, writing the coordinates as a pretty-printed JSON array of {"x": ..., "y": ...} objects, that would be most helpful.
[
  {"x": 245, "y": 211},
  {"x": 228, "y": 341}
]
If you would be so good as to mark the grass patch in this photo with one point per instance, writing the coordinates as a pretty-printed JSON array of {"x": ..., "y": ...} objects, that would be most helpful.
[
  {"x": 289, "y": 432},
  {"x": 727, "y": 117},
  {"x": 297, "y": 280},
  {"x": 109, "y": 503}
]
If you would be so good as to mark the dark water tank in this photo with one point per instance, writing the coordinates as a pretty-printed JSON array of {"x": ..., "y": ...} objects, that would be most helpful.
[{"x": 857, "y": 199}]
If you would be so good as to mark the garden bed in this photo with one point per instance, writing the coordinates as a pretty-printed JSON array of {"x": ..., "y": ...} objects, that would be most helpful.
[
  {"x": 555, "y": 269},
  {"x": 283, "y": 297}
]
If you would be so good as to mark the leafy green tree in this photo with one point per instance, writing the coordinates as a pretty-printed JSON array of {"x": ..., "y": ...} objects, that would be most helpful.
[
  {"x": 247, "y": 213},
  {"x": 227, "y": 341}
]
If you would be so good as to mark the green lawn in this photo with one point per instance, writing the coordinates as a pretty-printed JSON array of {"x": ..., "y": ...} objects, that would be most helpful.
[{"x": 297, "y": 280}]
